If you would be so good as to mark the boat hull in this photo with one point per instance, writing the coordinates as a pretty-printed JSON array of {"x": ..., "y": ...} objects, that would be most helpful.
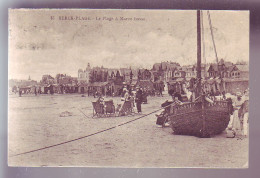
[{"x": 201, "y": 119}]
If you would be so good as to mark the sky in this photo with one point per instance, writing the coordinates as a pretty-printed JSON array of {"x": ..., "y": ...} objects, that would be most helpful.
[{"x": 42, "y": 42}]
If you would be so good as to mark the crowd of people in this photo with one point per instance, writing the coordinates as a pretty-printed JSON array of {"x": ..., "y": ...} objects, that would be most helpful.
[
  {"x": 130, "y": 99},
  {"x": 239, "y": 119}
]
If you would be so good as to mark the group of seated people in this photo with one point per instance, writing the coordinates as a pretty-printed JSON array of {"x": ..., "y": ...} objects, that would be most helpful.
[
  {"x": 128, "y": 99},
  {"x": 162, "y": 119}
]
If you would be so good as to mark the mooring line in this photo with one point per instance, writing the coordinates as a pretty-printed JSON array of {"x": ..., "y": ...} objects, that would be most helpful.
[
  {"x": 43, "y": 148},
  {"x": 83, "y": 113}
]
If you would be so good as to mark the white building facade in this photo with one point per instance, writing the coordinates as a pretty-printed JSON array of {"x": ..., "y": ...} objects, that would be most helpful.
[{"x": 84, "y": 75}]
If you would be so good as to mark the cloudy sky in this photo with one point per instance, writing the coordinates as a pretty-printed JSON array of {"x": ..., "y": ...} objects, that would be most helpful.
[{"x": 40, "y": 42}]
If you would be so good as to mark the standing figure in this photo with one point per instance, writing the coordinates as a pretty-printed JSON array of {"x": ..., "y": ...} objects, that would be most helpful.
[
  {"x": 144, "y": 97},
  {"x": 123, "y": 94},
  {"x": 126, "y": 107},
  {"x": 127, "y": 103},
  {"x": 236, "y": 105},
  {"x": 51, "y": 90},
  {"x": 39, "y": 90},
  {"x": 35, "y": 91},
  {"x": 132, "y": 101},
  {"x": 244, "y": 113},
  {"x": 101, "y": 103},
  {"x": 88, "y": 91},
  {"x": 189, "y": 94},
  {"x": 126, "y": 96},
  {"x": 20, "y": 92},
  {"x": 160, "y": 90},
  {"x": 224, "y": 95},
  {"x": 139, "y": 99},
  {"x": 96, "y": 93}
]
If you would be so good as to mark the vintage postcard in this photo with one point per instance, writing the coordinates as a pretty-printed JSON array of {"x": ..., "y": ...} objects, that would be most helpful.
[{"x": 128, "y": 88}]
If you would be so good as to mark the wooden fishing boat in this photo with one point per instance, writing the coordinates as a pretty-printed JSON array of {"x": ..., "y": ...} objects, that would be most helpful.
[{"x": 201, "y": 118}]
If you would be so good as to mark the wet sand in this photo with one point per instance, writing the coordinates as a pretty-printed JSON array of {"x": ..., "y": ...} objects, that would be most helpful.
[{"x": 35, "y": 122}]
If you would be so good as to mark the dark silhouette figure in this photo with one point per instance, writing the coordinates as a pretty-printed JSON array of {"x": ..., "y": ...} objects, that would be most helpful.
[{"x": 139, "y": 100}]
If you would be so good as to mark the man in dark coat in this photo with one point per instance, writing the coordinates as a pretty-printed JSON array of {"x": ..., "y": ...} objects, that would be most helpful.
[
  {"x": 20, "y": 92},
  {"x": 171, "y": 92},
  {"x": 178, "y": 95},
  {"x": 139, "y": 99},
  {"x": 160, "y": 90},
  {"x": 51, "y": 90},
  {"x": 35, "y": 91}
]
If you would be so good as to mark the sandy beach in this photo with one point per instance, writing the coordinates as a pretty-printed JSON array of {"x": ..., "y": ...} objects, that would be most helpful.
[{"x": 34, "y": 122}]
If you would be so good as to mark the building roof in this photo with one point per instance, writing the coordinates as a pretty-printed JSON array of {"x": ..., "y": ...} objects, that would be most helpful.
[
  {"x": 230, "y": 68},
  {"x": 165, "y": 65},
  {"x": 111, "y": 70},
  {"x": 243, "y": 68},
  {"x": 47, "y": 76},
  {"x": 188, "y": 68},
  {"x": 228, "y": 64},
  {"x": 214, "y": 67},
  {"x": 124, "y": 71}
]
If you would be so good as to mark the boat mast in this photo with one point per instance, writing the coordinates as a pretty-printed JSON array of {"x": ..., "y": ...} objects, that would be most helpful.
[
  {"x": 198, "y": 54},
  {"x": 203, "y": 114}
]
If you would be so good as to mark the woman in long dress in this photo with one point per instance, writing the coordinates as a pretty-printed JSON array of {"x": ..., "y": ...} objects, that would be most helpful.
[
  {"x": 126, "y": 107},
  {"x": 244, "y": 113},
  {"x": 244, "y": 117},
  {"x": 236, "y": 125}
]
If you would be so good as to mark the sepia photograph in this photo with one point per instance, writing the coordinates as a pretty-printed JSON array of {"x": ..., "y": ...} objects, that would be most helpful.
[{"x": 128, "y": 88}]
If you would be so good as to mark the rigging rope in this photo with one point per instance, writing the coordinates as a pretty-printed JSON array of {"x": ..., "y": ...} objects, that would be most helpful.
[
  {"x": 212, "y": 35},
  {"x": 43, "y": 148}
]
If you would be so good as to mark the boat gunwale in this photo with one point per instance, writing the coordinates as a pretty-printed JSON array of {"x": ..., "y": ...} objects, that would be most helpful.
[{"x": 198, "y": 110}]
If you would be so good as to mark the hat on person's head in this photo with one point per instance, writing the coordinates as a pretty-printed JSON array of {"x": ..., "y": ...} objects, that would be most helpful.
[
  {"x": 137, "y": 87},
  {"x": 124, "y": 89}
]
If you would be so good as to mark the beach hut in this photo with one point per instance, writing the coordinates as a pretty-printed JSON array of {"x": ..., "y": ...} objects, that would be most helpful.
[
  {"x": 98, "y": 87},
  {"x": 25, "y": 90},
  {"x": 83, "y": 88}
]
